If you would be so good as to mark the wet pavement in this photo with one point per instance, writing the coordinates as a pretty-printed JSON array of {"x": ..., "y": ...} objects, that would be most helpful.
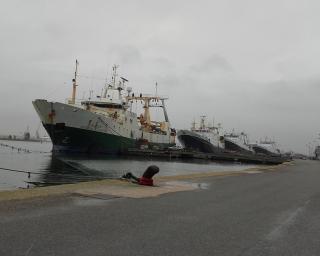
[{"x": 274, "y": 212}]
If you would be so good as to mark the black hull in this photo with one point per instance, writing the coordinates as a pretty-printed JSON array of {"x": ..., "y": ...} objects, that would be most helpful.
[
  {"x": 193, "y": 141},
  {"x": 74, "y": 140},
  {"x": 230, "y": 146},
  {"x": 317, "y": 152},
  {"x": 260, "y": 150}
]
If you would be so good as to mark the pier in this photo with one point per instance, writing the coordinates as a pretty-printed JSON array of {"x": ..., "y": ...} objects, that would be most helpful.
[
  {"x": 219, "y": 156},
  {"x": 263, "y": 211}
]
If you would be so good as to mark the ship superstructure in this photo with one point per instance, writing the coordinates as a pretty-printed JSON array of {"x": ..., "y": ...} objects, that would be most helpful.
[
  {"x": 107, "y": 123},
  {"x": 237, "y": 143},
  {"x": 266, "y": 147},
  {"x": 203, "y": 137}
]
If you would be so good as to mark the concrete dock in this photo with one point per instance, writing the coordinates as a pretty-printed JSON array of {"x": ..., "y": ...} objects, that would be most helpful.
[
  {"x": 224, "y": 156},
  {"x": 263, "y": 211}
]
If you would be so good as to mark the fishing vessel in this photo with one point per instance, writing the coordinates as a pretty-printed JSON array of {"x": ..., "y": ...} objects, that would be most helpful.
[
  {"x": 107, "y": 123},
  {"x": 266, "y": 147},
  {"x": 317, "y": 152},
  {"x": 317, "y": 148},
  {"x": 237, "y": 143},
  {"x": 203, "y": 138}
]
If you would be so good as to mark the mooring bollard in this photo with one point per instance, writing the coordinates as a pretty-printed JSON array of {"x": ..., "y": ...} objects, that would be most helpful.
[{"x": 146, "y": 179}]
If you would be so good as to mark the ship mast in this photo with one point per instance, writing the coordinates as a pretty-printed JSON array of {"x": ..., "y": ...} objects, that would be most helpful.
[
  {"x": 74, "y": 83},
  {"x": 202, "y": 124},
  {"x": 114, "y": 76},
  {"x": 193, "y": 125}
]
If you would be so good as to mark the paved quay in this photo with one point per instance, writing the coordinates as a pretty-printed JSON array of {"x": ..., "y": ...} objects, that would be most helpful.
[{"x": 263, "y": 211}]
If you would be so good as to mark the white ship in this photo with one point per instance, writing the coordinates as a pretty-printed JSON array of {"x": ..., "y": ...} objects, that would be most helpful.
[
  {"x": 106, "y": 124},
  {"x": 237, "y": 143},
  {"x": 266, "y": 147},
  {"x": 203, "y": 138}
]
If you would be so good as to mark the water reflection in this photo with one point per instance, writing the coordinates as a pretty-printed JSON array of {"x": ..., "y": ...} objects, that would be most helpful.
[
  {"x": 62, "y": 170},
  {"x": 47, "y": 170}
]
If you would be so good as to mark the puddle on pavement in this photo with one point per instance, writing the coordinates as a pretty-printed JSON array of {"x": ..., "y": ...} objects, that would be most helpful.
[
  {"x": 252, "y": 172},
  {"x": 93, "y": 200},
  {"x": 196, "y": 185}
]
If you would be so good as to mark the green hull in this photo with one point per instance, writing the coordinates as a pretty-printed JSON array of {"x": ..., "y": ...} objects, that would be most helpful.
[{"x": 75, "y": 140}]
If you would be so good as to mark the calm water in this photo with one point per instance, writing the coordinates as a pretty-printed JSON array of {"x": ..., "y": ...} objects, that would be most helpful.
[{"x": 48, "y": 170}]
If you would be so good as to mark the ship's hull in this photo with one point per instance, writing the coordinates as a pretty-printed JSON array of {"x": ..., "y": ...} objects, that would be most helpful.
[
  {"x": 232, "y": 146},
  {"x": 75, "y": 130},
  {"x": 75, "y": 140},
  {"x": 193, "y": 141},
  {"x": 262, "y": 150},
  {"x": 317, "y": 152}
]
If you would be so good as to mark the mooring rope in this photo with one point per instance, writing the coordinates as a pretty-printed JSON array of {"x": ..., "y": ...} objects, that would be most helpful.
[
  {"x": 114, "y": 131},
  {"x": 21, "y": 171},
  {"x": 75, "y": 177},
  {"x": 23, "y": 150}
]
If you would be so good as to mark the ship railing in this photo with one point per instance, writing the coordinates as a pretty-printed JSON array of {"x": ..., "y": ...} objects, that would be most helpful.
[
  {"x": 137, "y": 96},
  {"x": 76, "y": 102}
]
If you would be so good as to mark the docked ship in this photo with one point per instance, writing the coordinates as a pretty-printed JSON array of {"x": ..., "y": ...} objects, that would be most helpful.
[
  {"x": 317, "y": 152},
  {"x": 203, "y": 138},
  {"x": 237, "y": 143},
  {"x": 317, "y": 149},
  {"x": 266, "y": 147},
  {"x": 107, "y": 123}
]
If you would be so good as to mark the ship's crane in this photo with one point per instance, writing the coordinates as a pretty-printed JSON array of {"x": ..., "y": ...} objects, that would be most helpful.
[{"x": 145, "y": 119}]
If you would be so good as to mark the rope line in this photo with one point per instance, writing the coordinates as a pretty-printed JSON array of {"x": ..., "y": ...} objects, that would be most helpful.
[
  {"x": 84, "y": 176},
  {"x": 24, "y": 150},
  {"x": 108, "y": 126},
  {"x": 115, "y": 132},
  {"x": 21, "y": 171}
]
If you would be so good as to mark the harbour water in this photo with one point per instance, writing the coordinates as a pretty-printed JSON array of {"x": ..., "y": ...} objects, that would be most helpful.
[{"x": 32, "y": 164}]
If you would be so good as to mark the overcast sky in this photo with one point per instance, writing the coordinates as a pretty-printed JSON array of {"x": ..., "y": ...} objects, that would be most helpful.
[{"x": 252, "y": 65}]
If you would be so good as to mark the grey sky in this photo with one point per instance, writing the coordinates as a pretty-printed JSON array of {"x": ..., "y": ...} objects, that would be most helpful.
[{"x": 252, "y": 65}]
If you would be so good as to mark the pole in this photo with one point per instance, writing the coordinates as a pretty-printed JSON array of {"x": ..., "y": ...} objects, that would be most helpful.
[{"x": 74, "y": 82}]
